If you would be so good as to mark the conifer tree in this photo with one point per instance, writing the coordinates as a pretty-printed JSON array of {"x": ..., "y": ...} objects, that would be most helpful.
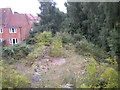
[{"x": 51, "y": 17}]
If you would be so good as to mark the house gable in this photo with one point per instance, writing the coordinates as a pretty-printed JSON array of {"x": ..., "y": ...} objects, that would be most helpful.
[{"x": 9, "y": 22}]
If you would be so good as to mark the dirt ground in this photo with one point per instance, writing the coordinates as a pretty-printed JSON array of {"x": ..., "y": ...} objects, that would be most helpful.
[{"x": 55, "y": 72}]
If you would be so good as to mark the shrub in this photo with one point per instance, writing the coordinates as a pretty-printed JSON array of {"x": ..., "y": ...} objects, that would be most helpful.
[
  {"x": 87, "y": 48},
  {"x": 45, "y": 38},
  {"x": 78, "y": 37},
  {"x": 111, "y": 78},
  {"x": 70, "y": 47},
  {"x": 12, "y": 79},
  {"x": 113, "y": 42},
  {"x": 112, "y": 62},
  {"x": 30, "y": 40},
  {"x": 100, "y": 76},
  {"x": 7, "y": 52},
  {"x": 17, "y": 51},
  {"x": 83, "y": 46},
  {"x": 36, "y": 54},
  {"x": 66, "y": 37},
  {"x": 93, "y": 79},
  {"x": 57, "y": 49}
]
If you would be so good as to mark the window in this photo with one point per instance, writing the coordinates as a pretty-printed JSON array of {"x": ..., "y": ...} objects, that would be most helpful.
[
  {"x": 31, "y": 29},
  {"x": 1, "y": 30},
  {"x": 1, "y": 40},
  {"x": 12, "y": 30},
  {"x": 13, "y": 40}
]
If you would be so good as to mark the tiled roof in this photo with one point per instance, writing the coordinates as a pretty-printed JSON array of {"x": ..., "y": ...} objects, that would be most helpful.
[
  {"x": 5, "y": 14},
  {"x": 33, "y": 18},
  {"x": 9, "y": 19},
  {"x": 17, "y": 20}
]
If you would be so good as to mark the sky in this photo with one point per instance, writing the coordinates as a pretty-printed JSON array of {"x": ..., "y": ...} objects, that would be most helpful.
[{"x": 28, "y": 6}]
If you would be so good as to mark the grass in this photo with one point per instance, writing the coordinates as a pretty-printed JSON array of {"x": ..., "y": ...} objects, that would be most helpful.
[
  {"x": 63, "y": 74},
  {"x": 73, "y": 71},
  {"x": 55, "y": 76}
]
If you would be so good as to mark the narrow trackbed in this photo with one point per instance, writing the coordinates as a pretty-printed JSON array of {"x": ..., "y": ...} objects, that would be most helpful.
[{"x": 51, "y": 72}]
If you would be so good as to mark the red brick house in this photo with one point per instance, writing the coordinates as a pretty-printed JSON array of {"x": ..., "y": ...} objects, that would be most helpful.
[
  {"x": 32, "y": 19},
  {"x": 14, "y": 28}
]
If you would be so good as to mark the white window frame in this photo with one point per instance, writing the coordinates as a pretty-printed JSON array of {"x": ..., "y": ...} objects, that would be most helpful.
[
  {"x": 31, "y": 29},
  {"x": 1, "y": 30},
  {"x": 11, "y": 41},
  {"x": 1, "y": 40},
  {"x": 15, "y": 30}
]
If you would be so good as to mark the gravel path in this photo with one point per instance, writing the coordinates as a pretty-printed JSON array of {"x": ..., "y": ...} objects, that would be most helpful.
[{"x": 36, "y": 77}]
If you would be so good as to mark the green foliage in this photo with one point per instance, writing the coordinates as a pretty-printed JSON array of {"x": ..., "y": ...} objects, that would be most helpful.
[
  {"x": 30, "y": 40},
  {"x": 57, "y": 49},
  {"x": 87, "y": 48},
  {"x": 100, "y": 76},
  {"x": 112, "y": 62},
  {"x": 17, "y": 51},
  {"x": 92, "y": 69},
  {"x": 78, "y": 37},
  {"x": 70, "y": 47},
  {"x": 83, "y": 46},
  {"x": 66, "y": 37},
  {"x": 46, "y": 45},
  {"x": 36, "y": 54},
  {"x": 113, "y": 43},
  {"x": 93, "y": 80},
  {"x": 92, "y": 27},
  {"x": 51, "y": 17},
  {"x": 45, "y": 38},
  {"x": 8, "y": 51},
  {"x": 111, "y": 77},
  {"x": 98, "y": 24},
  {"x": 12, "y": 78}
]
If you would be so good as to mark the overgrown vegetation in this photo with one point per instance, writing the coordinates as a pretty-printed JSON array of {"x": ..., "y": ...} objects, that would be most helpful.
[
  {"x": 12, "y": 78},
  {"x": 87, "y": 29},
  {"x": 17, "y": 51},
  {"x": 100, "y": 76}
]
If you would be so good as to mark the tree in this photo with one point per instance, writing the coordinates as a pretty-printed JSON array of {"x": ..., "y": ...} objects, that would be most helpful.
[
  {"x": 51, "y": 17},
  {"x": 98, "y": 22}
]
